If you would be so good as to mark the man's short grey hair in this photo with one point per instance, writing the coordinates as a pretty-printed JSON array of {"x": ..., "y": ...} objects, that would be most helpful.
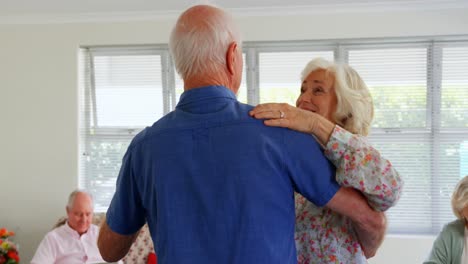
[
  {"x": 201, "y": 48},
  {"x": 460, "y": 197},
  {"x": 72, "y": 196},
  {"x": 355, "y": 108}
]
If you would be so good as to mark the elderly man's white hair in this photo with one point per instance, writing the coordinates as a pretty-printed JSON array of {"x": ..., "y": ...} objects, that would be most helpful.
[
  {"x": 200, "y": 40},
  {"x": 72, "y": 196}
]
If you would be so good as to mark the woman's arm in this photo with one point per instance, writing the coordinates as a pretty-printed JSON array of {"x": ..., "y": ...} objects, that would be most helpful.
[
  {"x": 294, "y": 118},
  {"x": 359, "y": 165}
]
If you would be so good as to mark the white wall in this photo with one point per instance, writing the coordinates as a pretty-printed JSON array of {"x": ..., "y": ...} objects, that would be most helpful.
[{"x": 38, "y": 95}]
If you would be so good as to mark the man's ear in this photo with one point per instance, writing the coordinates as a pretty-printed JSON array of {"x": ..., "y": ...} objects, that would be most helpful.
[{"x": 231, "y": 57}]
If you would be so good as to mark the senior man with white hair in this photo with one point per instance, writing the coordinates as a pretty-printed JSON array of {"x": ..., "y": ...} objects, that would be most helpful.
[
  {"x": 215, "y": 185},
  {"x": 76, "y": 240}
]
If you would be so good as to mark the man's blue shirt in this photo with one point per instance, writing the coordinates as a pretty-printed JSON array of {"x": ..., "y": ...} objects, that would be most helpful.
[{"x": 217, "y": 186}]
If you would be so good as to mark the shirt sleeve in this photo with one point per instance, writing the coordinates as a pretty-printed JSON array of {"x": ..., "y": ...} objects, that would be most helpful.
[
  {"x": 45, "y": 252},
  {"x": 314, "y": 179},
  {"x": 361, "y": 166},
  {"x": 126, "y": 214}
]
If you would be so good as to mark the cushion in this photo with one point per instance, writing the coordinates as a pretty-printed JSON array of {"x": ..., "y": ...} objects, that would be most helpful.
[
  {"x": 141, "y": 248},
  {"x": 152, "y": 258}
]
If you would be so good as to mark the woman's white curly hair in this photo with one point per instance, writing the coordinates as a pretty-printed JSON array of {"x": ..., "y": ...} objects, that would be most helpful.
[{"x": 355, "y": 108}]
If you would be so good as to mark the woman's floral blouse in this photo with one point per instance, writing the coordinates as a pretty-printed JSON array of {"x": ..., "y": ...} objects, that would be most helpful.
[{"x": 323, "y": 236}]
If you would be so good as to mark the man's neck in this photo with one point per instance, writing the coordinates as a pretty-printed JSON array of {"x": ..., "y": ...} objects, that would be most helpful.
[{"x": 194, "y": 82}]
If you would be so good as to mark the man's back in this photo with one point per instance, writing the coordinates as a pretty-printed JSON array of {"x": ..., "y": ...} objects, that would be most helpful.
[{"x": 216, "y": 186}]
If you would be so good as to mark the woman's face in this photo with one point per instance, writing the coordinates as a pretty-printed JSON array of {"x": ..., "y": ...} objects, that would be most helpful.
[
  {"x": 464, "y": 213},
  {"x": 318, "y": 94}
]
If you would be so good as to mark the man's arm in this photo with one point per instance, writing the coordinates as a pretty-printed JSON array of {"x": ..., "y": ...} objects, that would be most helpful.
[
  {"x": 114, "y": 246},
  {"x": 369, "y": 225},
  {"x": 118, "y": 232}
]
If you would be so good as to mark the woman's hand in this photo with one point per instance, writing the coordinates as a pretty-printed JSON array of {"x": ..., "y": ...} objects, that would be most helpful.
[{"x": 285, "y": 115}]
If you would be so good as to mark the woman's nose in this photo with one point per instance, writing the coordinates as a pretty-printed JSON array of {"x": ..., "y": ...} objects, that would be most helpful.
[{"x": 303, "y": 98}]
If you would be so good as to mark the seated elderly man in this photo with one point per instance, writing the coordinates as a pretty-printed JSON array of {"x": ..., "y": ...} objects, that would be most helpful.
[{"x": 76, "y": 240}]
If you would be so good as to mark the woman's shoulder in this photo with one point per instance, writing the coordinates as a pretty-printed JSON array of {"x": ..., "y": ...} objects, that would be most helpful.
[{"x": 455, "y": 227}]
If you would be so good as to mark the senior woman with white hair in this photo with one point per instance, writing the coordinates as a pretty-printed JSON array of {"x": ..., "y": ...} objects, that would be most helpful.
[
  {"x": 450, "y": 246},
  {"x": 336, "y": 107}
]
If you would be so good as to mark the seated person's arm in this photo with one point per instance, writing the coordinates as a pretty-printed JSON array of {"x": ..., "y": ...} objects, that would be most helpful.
[
  {"x": 112, "y": 245},
  {"x": 45, "y": 252},
  {"x": 369, "y": 225}
]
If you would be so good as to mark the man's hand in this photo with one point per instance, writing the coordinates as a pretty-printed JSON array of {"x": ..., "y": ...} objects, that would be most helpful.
[{"x": 370, "y": 226}]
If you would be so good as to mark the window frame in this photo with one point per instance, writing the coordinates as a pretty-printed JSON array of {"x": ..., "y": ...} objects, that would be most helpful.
[{"x": 340, "y": 49}]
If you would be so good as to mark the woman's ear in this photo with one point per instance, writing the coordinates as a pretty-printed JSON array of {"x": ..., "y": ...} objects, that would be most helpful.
[{"x": 344, "y": 119}]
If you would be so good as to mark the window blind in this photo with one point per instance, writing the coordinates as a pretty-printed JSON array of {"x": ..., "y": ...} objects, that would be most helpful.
[
  {"x": 398, "y": 79},
  {"x": 454, "y": 101},
  {"x": 451, "y": 128},
  {"x": 122, "y": 92},
  {"x": 409, "y": 97},
  {"x": 419, "y": 87},
  {"x": 280, "y": 74},
  {"x": 128, "y": 90}
]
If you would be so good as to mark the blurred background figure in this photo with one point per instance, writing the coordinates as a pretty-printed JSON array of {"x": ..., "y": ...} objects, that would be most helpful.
[
  {"x": 75, "y": 240},
  {"x": 451, "y": 245}
]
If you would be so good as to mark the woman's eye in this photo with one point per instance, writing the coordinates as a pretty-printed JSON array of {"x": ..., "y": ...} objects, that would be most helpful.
[{"x": 318, "y": 90}]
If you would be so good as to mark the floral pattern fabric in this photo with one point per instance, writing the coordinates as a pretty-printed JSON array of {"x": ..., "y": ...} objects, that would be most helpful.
[
  {"x": 361, "y": 166},
  {"x": 325, "y": 237}
]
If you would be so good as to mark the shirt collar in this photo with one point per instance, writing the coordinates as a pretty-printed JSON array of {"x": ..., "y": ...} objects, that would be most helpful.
[
  {"x": 72, "y": 231},
  {"x": 205, "y": 93}
]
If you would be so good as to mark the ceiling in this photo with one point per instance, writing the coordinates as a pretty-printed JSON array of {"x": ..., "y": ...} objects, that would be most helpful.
[{"x": 18, "y": 10}]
